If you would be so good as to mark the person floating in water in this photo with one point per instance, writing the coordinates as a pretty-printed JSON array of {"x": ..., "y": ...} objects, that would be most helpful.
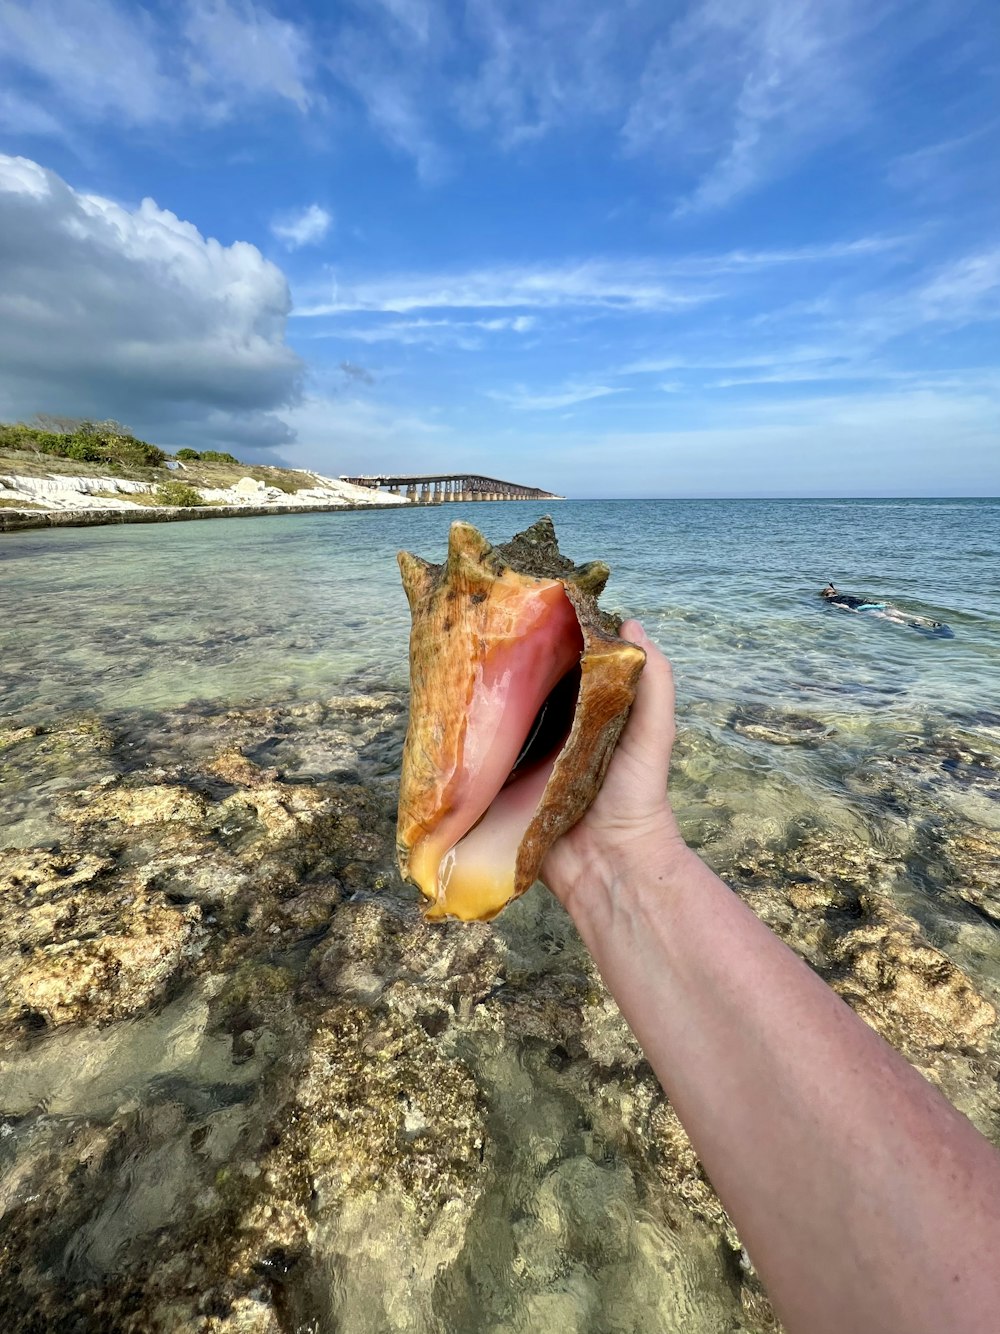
[{"x": 848, "y": 602}]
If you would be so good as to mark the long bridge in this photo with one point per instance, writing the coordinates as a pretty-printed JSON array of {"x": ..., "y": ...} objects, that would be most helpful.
[{"x": 434, "y": 488}]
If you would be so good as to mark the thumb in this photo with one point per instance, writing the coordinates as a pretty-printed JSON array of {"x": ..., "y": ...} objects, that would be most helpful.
[{"x": 649, "y": 734}]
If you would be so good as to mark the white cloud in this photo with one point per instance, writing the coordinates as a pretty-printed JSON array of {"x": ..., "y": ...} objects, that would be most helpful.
[
  {"x": 107, "y": 311},
  {"x": 306, "y": 227}
]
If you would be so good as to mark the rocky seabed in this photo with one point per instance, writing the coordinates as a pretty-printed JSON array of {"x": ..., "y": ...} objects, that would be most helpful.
[{"x": 245, "y": 1087}]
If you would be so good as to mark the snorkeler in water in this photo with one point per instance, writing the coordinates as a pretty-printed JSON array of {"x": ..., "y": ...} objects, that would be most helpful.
[{"x": 848, "y": 602}]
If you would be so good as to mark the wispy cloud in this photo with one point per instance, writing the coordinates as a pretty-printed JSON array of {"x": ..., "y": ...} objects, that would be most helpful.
[
  {"x": 840, "y": 334},
  {"x": 748, "y": 87},
  {"x": 305, "y": 227},
  {"x": 359, "y": 374},
  {"x": 462, "y": 334},
  {"x": 545, "y": 66},
  {"x": 963, "y": 291},
  {"x": 637, "y": 285},
  {"x": 23, "y": 115},
  {"x": 942, "y": 169},
  {"x": 104, "y": 60},
  {"x": 526, "y": 400},
  {"x": 386, "y": 69},
  {"x": 114, "y": 62},
  {"x": 241, "y": 49}
]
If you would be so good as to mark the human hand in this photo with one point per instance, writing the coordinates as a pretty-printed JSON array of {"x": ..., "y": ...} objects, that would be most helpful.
[{"x": 630, "y": 820}]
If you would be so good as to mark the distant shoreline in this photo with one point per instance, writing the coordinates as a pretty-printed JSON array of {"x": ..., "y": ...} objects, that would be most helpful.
[{"x": 16, "y": 521}]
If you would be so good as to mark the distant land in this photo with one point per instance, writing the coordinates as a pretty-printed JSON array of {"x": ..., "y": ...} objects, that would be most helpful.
[{"x": 60, "y": 471}]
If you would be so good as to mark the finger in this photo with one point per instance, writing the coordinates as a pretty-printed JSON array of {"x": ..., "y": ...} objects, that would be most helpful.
[{"x": 649, "y": 733}]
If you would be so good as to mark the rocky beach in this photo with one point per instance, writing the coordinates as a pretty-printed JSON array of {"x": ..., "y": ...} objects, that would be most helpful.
[{"x": 244, "y": 1086}]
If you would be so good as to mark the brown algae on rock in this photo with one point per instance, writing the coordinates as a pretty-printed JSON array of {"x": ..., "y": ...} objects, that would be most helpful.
[{"x": 520, "y": 687}]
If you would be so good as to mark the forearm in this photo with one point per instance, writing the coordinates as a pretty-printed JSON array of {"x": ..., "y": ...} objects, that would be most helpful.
[{"x": 865, "y": 1200}]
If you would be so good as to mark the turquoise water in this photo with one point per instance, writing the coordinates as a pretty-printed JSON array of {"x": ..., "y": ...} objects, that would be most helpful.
[
  {"x": 782, "y": 699},
  {"x": 156, "y": 616}
]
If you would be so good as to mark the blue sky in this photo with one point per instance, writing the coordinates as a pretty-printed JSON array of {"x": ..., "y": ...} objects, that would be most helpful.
[{"x": 724, "y": 247}]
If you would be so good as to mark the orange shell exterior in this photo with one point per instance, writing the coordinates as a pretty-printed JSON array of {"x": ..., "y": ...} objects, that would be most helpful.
[{"x": 450, "y": 606}]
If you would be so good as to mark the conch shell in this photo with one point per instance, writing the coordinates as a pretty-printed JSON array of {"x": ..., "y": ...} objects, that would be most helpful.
[{"x": 520, "y": 687}]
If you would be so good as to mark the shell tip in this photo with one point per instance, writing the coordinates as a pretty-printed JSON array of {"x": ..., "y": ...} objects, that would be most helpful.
[{"x": 417, "y": 575}]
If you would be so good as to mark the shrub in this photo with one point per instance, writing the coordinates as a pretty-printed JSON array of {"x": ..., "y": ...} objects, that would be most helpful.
[
  {"x": 83, "y": 450},
  {"x": 16, "y": 435},
  {"x": 216, "y": 456},
  {"x": 117, "y": 444},
  {"x": 89, "y": 442},
  {"x": 178, "y": 493},
  {"x": 187, "y": 454},
  {"x": 132, "y": 452},
  {"x": 47, "y": 442}
]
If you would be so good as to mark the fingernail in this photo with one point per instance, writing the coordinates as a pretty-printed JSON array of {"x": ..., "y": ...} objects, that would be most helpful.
[{"x": 634, "y": 631}]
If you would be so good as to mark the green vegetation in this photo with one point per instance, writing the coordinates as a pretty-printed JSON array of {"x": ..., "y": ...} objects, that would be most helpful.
[
  {"x": 105, "y": 442},
  {"x": 178, "y": 493},
  {"x": 50, "y": 444},
  {"x": 207, "y": 456}
]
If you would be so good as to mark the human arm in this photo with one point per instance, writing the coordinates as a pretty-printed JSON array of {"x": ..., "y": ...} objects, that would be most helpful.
[{"x": 866, "y": 1201}]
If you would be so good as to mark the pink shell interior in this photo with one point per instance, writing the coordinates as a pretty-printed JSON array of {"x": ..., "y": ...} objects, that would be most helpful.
[{"x": 466, "y": 864}]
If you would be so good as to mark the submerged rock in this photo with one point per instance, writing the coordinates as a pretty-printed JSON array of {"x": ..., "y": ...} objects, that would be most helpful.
[
  {"x": 78, "y": 943},
  {"x": 761, "y": 723}
]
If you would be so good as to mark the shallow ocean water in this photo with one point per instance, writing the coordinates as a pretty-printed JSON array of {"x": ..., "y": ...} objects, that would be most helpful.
[
  {"x": 157, "y": 615},
  {"x": 154, "y": 617},
  {"x": 794, "y": 718}
]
